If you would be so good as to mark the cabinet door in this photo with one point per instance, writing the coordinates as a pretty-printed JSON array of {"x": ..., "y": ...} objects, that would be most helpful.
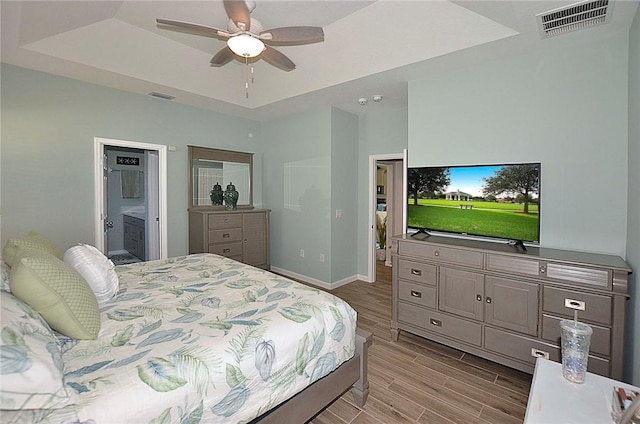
[
  {"x": 512, "y": 304},
  {"x": 254, "y": 232},
  {"x": 461, "y": 293}
]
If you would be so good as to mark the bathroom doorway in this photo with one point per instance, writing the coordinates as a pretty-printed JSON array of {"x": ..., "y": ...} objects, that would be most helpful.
[
  {"x": 130, "y": 200},
  {"x": 387, "y": 209}
]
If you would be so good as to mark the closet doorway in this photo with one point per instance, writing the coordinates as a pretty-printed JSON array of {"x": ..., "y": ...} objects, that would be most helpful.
[
  {"x": 130, "y": 200},
  {"x": 387, "y": 206}
]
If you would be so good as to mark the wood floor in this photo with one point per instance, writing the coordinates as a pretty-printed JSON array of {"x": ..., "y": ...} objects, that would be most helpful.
[{"x": 415, "y": 380}]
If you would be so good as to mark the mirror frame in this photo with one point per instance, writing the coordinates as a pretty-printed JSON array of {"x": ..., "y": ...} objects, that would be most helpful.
[{"x": 219, "y": 155}]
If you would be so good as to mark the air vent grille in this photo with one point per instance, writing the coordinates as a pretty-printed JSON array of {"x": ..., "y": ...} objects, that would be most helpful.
[
  {"x": 574, "y": 17},
  {"x": 162, "y": 95}
]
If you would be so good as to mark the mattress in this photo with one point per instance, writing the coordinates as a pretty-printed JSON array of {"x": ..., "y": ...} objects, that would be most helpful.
[{"x": 202, "y": 338}]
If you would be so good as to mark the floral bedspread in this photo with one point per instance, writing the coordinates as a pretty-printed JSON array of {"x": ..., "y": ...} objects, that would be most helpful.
[{"x": 202, "y": 338}]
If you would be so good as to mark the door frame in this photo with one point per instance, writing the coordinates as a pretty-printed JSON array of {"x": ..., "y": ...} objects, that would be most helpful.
[
  {"x": 99, "y": 144},
  {"x": 373, "y": 160}
]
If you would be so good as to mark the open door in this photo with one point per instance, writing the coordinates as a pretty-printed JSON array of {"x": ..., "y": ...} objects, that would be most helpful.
[
  {"x": 394, "y": 195},
  {"x": 156, "y": 208}
]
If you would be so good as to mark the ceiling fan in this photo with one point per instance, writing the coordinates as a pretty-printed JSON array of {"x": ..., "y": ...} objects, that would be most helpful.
[{"x": 247, "y": 38}]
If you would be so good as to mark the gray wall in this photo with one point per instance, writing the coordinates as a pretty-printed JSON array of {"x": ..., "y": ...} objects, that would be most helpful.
[
  {"x": 297, "y": 189},
  {"x": 564, "y": 105},
  {"x": 379, "y": 133},
  {"x": 48, "y": 127},
  {"x": 309, "y": 172},
  {"x": 633, "y": 220},
  {"x": 344, "y": 194}
]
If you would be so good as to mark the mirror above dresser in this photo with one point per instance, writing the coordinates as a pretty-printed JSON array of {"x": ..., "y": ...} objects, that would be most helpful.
[
  {"x": 240, "y": 233},
  {"x": 217, "y": 168}
]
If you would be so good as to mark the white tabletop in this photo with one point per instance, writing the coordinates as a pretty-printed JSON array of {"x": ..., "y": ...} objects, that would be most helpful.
[{"x": 554, "y": 399}]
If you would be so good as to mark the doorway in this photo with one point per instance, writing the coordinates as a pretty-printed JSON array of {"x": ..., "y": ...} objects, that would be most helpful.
[
  {"x": 387, "y": 200},
  {"x": 130, "y": 200}
]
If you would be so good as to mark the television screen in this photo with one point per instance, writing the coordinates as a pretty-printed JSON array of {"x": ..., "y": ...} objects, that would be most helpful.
[{"x": 495, "y": 201}]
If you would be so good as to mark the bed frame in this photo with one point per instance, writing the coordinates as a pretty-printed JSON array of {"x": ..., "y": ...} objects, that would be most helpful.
[{"x": 312, "y": 400}]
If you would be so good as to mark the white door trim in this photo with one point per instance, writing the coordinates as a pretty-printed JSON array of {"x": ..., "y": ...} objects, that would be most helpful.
[
  {"x": 371, "y": 273},
  {"x": 98, "y": 150}
]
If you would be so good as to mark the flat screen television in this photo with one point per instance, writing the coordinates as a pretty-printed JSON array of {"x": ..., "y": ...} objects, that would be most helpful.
[{"x": 498, "y": 202}]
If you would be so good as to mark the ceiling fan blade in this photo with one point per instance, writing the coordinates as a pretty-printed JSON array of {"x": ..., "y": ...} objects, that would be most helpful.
[
  {"x": 190, "y": 28},
  {"x": 293, "y": 35},
  {"x": 239, "y": 13},
  {"x": 223, "y": 57},
  {"x": 277, "y": 59}
]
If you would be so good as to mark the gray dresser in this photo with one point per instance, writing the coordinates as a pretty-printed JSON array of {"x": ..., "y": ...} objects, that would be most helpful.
[
  {"x": 134, "y": 235},
  {"x": 242, "y": 235},
  {"x": 505, "y": 305}
]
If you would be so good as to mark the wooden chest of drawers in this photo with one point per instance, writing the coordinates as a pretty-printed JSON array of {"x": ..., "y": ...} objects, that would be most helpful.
[
  {"x": 242, "y": 235},
  {"x": 504, "y": 305}
]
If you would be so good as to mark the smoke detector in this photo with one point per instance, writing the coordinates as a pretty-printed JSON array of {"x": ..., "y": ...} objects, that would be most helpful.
[{"x": 576, "y": 16}]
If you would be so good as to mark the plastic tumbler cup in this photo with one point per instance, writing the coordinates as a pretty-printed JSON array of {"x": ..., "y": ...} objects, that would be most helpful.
[{"x": 576, "y": 337}]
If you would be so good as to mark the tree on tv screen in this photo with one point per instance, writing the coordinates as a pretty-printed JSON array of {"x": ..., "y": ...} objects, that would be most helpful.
[
  {"x": 431, "y": 180},
  {"x": 516, "y": 180}
]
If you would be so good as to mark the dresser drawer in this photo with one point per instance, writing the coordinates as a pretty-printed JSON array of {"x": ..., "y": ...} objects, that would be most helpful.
[
  {"x": 467, "y": 331},
  {"x": 578, "y": 274},
  {"x": 228, "y": 250},
  {"x": 528, "y": 350},
  {"x": 417, "y": 293},
  {"x": 519, "y": 347},
  {"x": 420, "y": 273},
  {"x": 225, "y": 220},
  {"x": 513, "y": 265},
  {"x": 456, "y": 256},
  {"x": 225, "y": 235},
  {"x": 597, "y": 308},
  {"x": 600, "y": 339}
]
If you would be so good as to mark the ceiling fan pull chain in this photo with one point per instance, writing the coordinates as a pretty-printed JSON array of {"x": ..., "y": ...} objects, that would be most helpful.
[
  {"x": 252, "y": 74},
  {"x": 246, "y": 82}
]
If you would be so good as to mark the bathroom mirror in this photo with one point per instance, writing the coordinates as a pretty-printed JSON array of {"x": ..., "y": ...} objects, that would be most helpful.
[{"x": 209, "y": 167}]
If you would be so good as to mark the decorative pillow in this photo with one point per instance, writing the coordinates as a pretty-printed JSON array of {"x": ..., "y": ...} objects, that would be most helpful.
[
  {"x": 57, "y": 292},
  {"x": 31, "y": 366},
  {"x": 96, "y": 269},
  {"x": 4, "y": 275},
  {"x": 33, "y": 240}
]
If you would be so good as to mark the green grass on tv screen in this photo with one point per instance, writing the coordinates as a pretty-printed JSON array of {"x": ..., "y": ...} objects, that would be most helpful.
[{"x": 491, "y": 219}]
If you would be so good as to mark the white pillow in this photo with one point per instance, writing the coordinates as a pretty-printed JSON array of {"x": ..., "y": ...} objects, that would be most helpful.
[
  {"x": 5, "y": 270},
  {"x": 30, "y": 360},
  {"x": 96, "y": 268}
]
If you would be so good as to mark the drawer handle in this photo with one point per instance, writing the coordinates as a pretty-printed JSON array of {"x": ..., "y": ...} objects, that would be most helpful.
[
  {"x": 417, "y": 272},
  {"x": 435, "y": 322},
  {"x": 226, "y": 235},
  {"x": 416, "y": 294},
  {"x": 489, "y": 300},
  {"x": 543, "y": 269},
  {"x": 227, "y": 250},
  {"x": 575, "y": 304},
  {"x": 479, "y": 297},
  {"x": 437, "y": 253},
  {"x": 537, "y": 353}
]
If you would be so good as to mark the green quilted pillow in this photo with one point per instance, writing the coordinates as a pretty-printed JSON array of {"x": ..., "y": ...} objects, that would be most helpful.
[
  {"x": 57, "y": 292},
  {"x": 33, "y": 240}
]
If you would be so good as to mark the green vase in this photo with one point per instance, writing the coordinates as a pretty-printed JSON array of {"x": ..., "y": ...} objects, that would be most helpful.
[
  {"x": 216, "y": 194},
  {"x": 231, "y": 197}
]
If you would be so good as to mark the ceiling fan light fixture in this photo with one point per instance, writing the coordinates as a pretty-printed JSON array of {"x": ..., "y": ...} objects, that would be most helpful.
[{"x": 245, "y": 45}]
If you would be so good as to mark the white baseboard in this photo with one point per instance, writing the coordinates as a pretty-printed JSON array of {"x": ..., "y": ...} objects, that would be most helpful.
[{"x": 314, "y": 281}]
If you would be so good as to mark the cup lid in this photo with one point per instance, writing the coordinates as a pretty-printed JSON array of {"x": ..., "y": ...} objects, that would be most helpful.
[{"x": 576, "y": 327}]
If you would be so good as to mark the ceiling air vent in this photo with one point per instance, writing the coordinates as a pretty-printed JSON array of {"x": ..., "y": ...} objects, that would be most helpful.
[
  {"x": 162, "y": 95},
  {"x": 574, "y": 17}
]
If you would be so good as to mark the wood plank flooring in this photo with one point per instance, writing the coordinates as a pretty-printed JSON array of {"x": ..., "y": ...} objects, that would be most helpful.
[{"x": 415, "y": 380}]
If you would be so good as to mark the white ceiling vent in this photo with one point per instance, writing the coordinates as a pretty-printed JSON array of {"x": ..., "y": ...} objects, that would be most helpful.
[{"x": 574, "y": 17}]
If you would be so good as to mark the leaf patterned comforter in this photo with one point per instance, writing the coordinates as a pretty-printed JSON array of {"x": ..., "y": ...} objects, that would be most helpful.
[{"x": 203, "y": 338}]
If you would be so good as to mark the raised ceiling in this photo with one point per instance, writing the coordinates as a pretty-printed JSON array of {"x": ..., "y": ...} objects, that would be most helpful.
[{"x": 371, "y": 47}]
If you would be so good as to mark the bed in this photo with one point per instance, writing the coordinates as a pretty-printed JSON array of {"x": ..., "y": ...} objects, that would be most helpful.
[{"x": 197, "y": 338}]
